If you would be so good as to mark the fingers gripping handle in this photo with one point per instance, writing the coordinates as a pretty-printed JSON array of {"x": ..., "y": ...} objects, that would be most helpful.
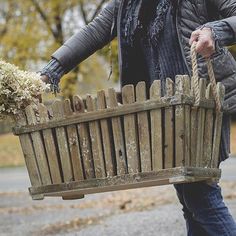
[{"x": 196, "y": 78}]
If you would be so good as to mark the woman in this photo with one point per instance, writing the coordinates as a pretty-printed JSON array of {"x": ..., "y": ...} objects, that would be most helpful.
[{"x": 154, "y": 43}]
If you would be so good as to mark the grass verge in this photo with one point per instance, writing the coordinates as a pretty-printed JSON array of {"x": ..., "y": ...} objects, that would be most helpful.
[{"x": 10, "y": 151}]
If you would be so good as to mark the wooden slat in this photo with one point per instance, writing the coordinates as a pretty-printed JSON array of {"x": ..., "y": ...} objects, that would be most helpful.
[
  {"x": 169, "y": 128},
  {"x": 73, "y": 142},
  {"x": 50, "y": 146},
  {"x": 194, "y": 123},
  {"x": 187, "y": 123},
  {"x": 156, "y": 128},
  {"x": 39, "y": 148},
  {"x": 106, "y": 135},
  {"x": 217, "y": 129},
  {"x": 179, "y": 125},
  {"x": 29, "y": 154},
  {"x": 143, "y": 130},
  {"x": 84, "y": 140},
  {"x": 201, "y": 122},
  {"x": 118, "y": 136},
  {"x": 128, "y": 97},
  {"x": 95, "y": 135},
  {"x": 112, "y": 112},
  {"x": 208, "y": 132},
  {"x": 143, "y": 179},
  {"x": 58, "y": 113}
]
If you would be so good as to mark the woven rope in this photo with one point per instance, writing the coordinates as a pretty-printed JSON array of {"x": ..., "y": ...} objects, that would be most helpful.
[{"x": 195, "y": 78}]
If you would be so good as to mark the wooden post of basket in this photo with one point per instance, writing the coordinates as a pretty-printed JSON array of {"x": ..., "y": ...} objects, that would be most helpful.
[
  {"x": 118, "y": 137},
  {"x": 61, "y": 138},
  {"x": 39, "y": 150},
  {"x": 73, "y": 142},
  {"x": 86, "y": 151},
  {"x": 29, "y": 154},
  {"x": 106, "y": 136},
  {"x": 169, "y": 128},
  {"x": 182, "y": 124},
  {"x": 208, "y": 132},
  {"x": 143, "y": 130},
  {"x": 156, "y": 128},
  {"x": 50, "y": 146},
  {"x": 128, "y": 97}
]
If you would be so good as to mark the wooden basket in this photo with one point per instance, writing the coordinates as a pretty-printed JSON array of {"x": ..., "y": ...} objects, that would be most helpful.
[{"x": 122, "y": 141}]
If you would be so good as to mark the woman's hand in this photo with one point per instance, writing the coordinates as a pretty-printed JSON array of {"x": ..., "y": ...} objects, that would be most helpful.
[{"x": 205, "y": 42}]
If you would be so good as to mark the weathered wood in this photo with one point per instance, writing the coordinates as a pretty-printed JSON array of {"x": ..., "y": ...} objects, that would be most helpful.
[
  {"x": 50, "y": 146},
  {"x": 73, "y": 142},
  {"x": 29, "y": 155},
  {"x": 39, "y": 148},
  {"x": 187, "y": 122},
  {"x": 179, "y": 125},
  {"x": 143, "y": 130},
  {"x": 72, "y": 196},
  {"x": 119, "y": 144},
  {"x": 132, "y": 151},
  {"x": 128, "y": 181},
  {"x": 113, "y": 112},
  {"x": 217, "y": 129},
  {"x": 95, "y": 135},
  {"x": 58, "y": 113},
  {"x": 208, "y": 132},
  {"x": 169, "y": 128},
  {"x": 85, "y": 144},
  {"x": 106, "y": 137},
  {"x": 156, "y": 128},
  {"x": 194, "y": 128},
  {"x": 201, "y": 122}
]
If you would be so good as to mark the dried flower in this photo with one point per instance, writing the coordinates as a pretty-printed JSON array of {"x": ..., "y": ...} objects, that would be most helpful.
[{"x": 18, "y": 89}]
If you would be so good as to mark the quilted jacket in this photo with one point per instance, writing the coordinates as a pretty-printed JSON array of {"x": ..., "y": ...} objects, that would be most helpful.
[{"x": 190, "y": 15}]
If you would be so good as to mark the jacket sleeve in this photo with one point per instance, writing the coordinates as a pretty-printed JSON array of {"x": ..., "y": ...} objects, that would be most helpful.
[
  {"x": 222, "y": 33},
  {"x": 227, "y": 10},
  {"x": 89, "y": 39}
]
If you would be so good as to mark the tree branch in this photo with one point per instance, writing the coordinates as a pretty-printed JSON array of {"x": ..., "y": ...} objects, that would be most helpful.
[
  {"x": 97, "y": 9},
  {"x": 84, "y": 14},
  {"x": 7, "y": 15},
  {"x": 44, "y": 18}
]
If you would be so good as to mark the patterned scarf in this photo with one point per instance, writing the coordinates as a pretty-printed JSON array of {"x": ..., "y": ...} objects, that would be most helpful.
[{"x": 138, "y": 13}]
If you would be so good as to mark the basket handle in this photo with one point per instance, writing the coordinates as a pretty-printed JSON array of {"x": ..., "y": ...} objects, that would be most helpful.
[{"x": 196, "y": 78}]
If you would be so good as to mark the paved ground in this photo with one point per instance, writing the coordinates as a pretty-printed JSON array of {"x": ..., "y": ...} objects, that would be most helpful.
[{"x": 151, "y": 211}]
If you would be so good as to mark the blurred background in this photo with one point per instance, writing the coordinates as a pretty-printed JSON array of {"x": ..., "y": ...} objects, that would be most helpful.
[{"x": 30, "y": 31}]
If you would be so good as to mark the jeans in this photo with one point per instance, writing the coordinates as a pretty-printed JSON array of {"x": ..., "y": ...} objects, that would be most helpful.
[{"x": 204, "y": 210}]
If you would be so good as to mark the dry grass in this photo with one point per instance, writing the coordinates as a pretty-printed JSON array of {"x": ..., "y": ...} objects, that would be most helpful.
[{"x": 10, "y": 151}]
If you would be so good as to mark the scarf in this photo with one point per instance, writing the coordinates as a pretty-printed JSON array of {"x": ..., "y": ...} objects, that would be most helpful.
[{"x": 139, "y": 12}]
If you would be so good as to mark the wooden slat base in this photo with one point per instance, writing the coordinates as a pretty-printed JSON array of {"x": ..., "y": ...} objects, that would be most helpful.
[{"x": 76, "y": 190}]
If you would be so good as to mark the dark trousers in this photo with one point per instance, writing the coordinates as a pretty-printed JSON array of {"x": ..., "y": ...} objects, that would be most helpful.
[{"x": 204, "y": 210}]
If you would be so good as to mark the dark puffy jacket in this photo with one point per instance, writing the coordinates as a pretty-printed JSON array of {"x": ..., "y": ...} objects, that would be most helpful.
[{"x": 190, "y": 15}]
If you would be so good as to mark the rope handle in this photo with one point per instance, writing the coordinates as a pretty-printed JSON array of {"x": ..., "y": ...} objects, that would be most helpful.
[{"x": 195, "y": 78}]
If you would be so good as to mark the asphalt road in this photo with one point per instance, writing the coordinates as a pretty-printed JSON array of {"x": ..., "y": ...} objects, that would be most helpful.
[{"x": 149, "y": 211}]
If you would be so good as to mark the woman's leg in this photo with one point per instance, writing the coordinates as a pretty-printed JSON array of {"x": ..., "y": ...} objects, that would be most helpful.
[
  {"x": 193, "y": 227},
  {"x": 205, "y": 203}
]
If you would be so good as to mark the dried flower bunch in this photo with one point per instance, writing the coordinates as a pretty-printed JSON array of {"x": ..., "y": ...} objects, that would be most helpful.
[{"x": 18, "y": 89}]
